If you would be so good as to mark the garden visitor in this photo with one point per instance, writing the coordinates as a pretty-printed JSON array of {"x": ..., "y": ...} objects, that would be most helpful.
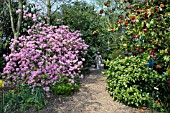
[{"x": 98, "y": 59}]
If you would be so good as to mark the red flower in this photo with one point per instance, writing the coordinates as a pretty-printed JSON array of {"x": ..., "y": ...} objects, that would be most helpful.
[
  {"x": 153, "y": 54},
  {"x": 168, "y": 85}
]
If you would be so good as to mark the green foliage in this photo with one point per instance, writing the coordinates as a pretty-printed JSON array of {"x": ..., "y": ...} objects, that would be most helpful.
[
  {"x": 144, "y": 28},
  {"x": 65, "y": 87},
  {"x": 30, "y": 8},
  {"x": 131, "y": 82},
  {"x": 83, "y": 17},
  {"x": 5, "y": 31},
  {"x": 22, "y": 98},
  {"x": 5, "y": 24},
  {"x": 2, "y": 62}
]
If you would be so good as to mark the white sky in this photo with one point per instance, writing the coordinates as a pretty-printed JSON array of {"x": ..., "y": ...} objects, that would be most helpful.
[{"x": 88, "y": 1}]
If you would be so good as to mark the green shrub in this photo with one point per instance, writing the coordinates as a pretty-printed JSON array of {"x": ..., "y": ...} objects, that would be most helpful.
[
  {"x": 2, "y": 64},
  {"x": 66, "y": 87},
  {"x": 131, "y": 82},
  {"x": 22, "y": 98}
]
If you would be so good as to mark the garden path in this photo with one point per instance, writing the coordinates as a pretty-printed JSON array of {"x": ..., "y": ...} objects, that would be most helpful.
[{"x": 92, "y": 98}]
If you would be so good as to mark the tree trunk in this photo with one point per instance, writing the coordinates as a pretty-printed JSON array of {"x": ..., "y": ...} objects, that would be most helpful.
[
  {"x": 15, "y": 28},
  {"x": 49, "y": 12},
  {"x": 16, "y": 35},
  {"x": 19, "y": 17}
]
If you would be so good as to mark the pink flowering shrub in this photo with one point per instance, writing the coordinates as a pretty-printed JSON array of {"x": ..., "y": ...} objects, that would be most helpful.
[{"x": 44, "y": 56}]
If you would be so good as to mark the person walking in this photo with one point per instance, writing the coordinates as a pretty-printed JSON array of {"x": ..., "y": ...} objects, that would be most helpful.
[{"x": 98, "y": 60}]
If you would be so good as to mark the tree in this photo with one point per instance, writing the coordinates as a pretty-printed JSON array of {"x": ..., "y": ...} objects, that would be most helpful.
[
  {"x": 5, "y": 32},
  {"x": 51, "y": 6},
  {"x": 146, "y": 37},
  {"x": 15, "y": 28},
  {"x": 83, "y": 17}
]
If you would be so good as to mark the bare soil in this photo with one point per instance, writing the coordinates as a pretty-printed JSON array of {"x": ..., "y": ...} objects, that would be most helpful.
[{"x": 92, "y": 98}]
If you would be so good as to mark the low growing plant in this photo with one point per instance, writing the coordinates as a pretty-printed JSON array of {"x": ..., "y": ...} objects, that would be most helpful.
[
  {"x": 66, "y": 86},
  {"x": 22, "y": 98}
]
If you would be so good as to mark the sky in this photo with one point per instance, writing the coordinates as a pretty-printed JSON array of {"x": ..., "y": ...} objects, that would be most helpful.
[{"x": 88, "y": 1}]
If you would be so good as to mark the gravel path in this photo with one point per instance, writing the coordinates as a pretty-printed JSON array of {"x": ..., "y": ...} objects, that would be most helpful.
[{"x": 92, "y": 98}]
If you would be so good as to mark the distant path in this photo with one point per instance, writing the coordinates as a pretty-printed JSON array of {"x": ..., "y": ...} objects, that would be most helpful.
[{"x": 92, "y": 98}]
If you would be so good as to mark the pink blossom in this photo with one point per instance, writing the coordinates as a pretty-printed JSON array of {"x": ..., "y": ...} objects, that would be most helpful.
[
  {"x": 80, "y": 63},
  {"x": 81, "y": 76},
  {"x": 59, "y": 20},
  {"x": 71, "y": 80},
  {"x": 48, "y": 51},
  {"x": 36, "y": 5},
  {"x": 18, "y": 11},
  {"x": 29, "y": 15},
  {"x": 33, "y": 73},
  {"x": 83, "y": 59},
  {"x": 25, "y": 12},
  {"x": 24, "y": 17},
  {"x": 7, "y": 58},
  {"x": 34, "y": 19},
  {"x": 29, "y": 31}
]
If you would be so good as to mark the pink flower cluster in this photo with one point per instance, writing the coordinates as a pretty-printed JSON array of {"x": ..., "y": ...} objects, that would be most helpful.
[
  {"x": 46, "y": 55},
  {"x": 30, "y": 15},
  {"x": 18, "y": 11}
]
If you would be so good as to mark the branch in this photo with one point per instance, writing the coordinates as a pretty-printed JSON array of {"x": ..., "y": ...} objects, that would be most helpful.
[
  {"x": 48, "y": 11},
  {"x": 11, "y": 17},
  {"x": 54, "y": 11},
  {"x": 19, "y": 16},
  {"x": 53, "y": 4},
  {"x": 7, "y": 3},
  {"x": 43, "y": 2}
]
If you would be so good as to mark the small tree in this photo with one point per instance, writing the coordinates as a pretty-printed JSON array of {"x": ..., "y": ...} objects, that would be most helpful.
[{"x": 15, "y": 29}]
